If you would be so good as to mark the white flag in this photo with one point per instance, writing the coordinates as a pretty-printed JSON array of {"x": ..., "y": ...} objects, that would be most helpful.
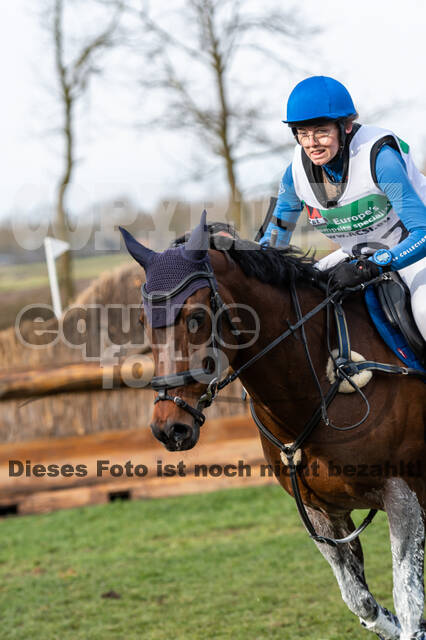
[
  {"x": 54, "y": 248},
  {"x": 57, "y": 247}
]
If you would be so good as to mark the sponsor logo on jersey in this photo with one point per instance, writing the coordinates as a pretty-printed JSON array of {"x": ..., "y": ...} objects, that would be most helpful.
[{"x": 315, "y": 216}]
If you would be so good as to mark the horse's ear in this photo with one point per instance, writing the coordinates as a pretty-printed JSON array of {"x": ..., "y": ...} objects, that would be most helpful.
[
  {"x": 198, "y": 241},
  {"x": 141, "y": 254}
]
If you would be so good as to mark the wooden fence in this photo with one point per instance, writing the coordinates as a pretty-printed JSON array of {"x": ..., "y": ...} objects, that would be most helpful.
[
  {"x": 45, "y": 475},
  {"x": 53, "y": 473}
]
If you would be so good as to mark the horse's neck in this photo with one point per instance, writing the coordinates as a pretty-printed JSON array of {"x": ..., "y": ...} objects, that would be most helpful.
[{"x": 281, "y": 380}]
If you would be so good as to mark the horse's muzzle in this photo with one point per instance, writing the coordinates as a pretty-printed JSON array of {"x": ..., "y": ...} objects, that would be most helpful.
[{"x": 177, "y": 436}]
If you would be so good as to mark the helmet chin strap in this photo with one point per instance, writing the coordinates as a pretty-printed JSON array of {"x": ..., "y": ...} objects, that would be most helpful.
[{"x": 341, "y": 124}]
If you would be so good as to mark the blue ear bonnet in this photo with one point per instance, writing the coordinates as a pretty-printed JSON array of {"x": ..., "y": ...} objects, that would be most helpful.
[
  {"x": 165, "y": 271},
  {"x": 164, "y": 274}
]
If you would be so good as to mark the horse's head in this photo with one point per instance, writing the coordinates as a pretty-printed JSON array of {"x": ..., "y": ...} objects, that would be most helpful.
[{"x": 183, "y": 317}]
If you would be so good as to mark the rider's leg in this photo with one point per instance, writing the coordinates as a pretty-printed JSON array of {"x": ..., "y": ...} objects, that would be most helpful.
[
  {"x": 347, "y": 563},
  {"x": 406, "y": 524},
  {"x": 414, "y": 277}
]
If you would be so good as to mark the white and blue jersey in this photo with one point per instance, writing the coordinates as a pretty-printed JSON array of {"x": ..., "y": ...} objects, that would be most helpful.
[{"x": 381, "y": 206}]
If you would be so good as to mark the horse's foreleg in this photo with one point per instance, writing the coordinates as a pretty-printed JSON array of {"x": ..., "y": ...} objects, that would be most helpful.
[
  {"x": 347, "y": 562},
  {"x": 407, "y": 533}
]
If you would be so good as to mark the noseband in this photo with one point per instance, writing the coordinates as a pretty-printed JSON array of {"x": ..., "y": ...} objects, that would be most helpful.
[{"x": 162, "y": 384}]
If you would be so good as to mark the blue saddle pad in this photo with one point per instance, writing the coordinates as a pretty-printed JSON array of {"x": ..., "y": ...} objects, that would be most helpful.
[{"x": 392, "y": 337}]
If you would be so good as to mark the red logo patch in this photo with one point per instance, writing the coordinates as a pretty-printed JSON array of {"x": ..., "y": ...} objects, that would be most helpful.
[{"x": 315, "y": 216}]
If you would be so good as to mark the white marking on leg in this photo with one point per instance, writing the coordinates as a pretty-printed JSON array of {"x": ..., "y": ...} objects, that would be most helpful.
[
  {"x": 386, "y": 624},
  {"x": 347, "y": 564},
  {"x": 407, "y": 542}
]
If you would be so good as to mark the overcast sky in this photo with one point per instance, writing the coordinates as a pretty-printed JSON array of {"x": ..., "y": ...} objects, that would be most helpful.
[{"x": 377, "y": 50}]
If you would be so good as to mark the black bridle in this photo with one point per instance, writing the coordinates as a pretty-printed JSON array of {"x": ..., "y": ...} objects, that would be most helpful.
[
  {"x": 344, "y": 368},
  {"x": 163, "y": 383}
]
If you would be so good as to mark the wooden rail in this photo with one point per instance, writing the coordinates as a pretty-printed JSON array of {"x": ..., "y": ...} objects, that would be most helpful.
[
  {"x": 223, "y": 441},
  {"x": 77, "y": 376}
]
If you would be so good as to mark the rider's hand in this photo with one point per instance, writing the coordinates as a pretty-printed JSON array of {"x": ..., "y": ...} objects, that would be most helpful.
[{"x": 351, "y": 274}]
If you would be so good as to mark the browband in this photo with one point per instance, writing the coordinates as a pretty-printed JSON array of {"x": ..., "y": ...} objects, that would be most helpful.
[{"x": 162, "y": 296}]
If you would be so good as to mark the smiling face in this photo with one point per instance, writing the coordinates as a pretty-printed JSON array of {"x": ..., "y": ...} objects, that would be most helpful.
[{"x": 321, "y": 142}]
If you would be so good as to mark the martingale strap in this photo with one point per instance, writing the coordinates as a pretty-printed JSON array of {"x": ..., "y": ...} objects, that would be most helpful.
[
  {"x": 291, "y": 453},
  {"x": 370, "y": 365},
  {"x": 342, "y": 332},
  {"x": 345, "y": 365},
  {"x": 288, "y": 453}
]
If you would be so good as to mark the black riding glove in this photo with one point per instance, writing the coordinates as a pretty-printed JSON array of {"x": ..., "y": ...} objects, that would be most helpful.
[{"x": 351, "y": 274}]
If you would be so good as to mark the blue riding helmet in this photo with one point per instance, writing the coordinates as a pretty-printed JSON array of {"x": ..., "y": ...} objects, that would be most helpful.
[{"x": 319, "y": 98}]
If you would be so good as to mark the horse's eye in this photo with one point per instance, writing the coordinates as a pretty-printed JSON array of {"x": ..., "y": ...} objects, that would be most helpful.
[{"x": 195, "y": 321}]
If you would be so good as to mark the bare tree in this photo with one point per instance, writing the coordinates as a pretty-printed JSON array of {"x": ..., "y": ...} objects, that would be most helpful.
[
  {"x": 192, "y": 57},
  {"x": 73, "y": 73}
]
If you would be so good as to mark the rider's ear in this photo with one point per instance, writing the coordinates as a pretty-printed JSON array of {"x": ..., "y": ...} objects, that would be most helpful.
[{"x": 141, "y": 254}]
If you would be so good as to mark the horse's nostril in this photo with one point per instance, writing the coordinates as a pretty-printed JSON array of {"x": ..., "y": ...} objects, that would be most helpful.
[
  {"x": 159, "y": 433},
  {"x": 179, "y": 431}
]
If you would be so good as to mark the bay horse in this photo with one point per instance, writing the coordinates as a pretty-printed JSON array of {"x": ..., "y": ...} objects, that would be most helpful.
[{"x": 379, "y": 465}]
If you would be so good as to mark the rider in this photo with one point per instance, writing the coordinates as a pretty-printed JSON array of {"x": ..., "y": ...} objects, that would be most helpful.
[{"x": 360, "y": 187}]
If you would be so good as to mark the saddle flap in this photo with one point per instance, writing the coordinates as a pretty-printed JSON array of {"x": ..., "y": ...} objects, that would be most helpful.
[
  {"x": 395, "y": 300},
  {"x": 387, "y": 307}
]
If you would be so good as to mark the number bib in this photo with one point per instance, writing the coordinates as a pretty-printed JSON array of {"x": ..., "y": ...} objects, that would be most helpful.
[{"x": 367, "y": 222}]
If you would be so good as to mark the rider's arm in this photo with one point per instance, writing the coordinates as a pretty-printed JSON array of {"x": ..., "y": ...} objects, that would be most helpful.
[
  {"x": 393, "y": 180},
  {"x": 286, "y": 212}
]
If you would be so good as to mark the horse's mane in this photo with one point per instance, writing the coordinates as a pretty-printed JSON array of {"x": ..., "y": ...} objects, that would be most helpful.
[{"x": 267, "y": 264}]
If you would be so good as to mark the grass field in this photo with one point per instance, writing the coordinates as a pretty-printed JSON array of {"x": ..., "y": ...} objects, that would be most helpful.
[
  {"x": 234, "y": 565},
  {"x": 25, "y": 284},
  {"x": 27, "y": 276}
]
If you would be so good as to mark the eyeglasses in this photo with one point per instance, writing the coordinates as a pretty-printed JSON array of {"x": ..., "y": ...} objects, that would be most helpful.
[{"x": 320, "y": 135}]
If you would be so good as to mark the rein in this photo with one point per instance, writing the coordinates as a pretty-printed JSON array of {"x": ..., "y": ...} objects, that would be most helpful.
[{"x": 291, "y": 454}]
